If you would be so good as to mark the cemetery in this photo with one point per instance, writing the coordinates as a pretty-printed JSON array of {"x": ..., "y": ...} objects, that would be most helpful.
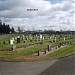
[{"x": 26, "y": 47}]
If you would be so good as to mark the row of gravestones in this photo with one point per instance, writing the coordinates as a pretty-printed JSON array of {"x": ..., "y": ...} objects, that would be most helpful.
[
  {"x": 40, "y": 37},
  {"x": 11, "y": 42},
  {"x": 37, "y": 38},
  {"x": 49, "y": 49},
  {"x": 55, "y": 39},
  {"x": 60, "y": 45}
]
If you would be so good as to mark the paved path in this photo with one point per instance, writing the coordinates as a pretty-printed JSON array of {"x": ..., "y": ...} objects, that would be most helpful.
[
  {"x": 24, "y": 68},
  {"x": 64, "y": 66}
]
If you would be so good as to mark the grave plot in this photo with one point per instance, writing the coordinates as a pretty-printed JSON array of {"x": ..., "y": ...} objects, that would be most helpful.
[{"x": 29, "y": 44}]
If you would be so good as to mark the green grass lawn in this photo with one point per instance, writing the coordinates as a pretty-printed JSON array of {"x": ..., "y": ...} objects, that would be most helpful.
[
  {"x": 62, "y": 52},
  {"x": 7, "y": 46},
  {"x": 13, "y": 55},
  {"x": 5, "y": 54}
]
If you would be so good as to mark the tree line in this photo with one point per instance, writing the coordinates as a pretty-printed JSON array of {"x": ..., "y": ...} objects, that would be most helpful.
[{"x": 5, "y": 28}]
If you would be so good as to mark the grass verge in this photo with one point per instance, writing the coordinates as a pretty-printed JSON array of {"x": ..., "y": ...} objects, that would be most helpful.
[{"x": 62, "y": 52}]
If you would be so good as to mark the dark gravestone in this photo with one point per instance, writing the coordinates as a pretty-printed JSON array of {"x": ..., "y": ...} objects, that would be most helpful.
[
  {"x": 30, "y": 40},
  {"x": 24, "y": 41},
  {"x": 38, "y": 53},
  {"x": 4, "y": 42},
  {"x": 18, "y": 39},
  {"x": 60, "y": 45},
  {"x": 45, "y": 51},
  {"x": 9, "y": 41},
  {"x": 56, "y": 47}
]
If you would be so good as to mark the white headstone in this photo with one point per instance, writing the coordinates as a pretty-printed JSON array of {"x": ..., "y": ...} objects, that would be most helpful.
[
  {"x": 13, "y": 47},
  {"x": 23, "y": 37},
  {"x": 36, "y": 35},
  {"x": 11, "y": 42},
  {"x": 30, "y": 38},
  {"x": 43, "y": 37},
  {"x": 37, "y": 38},
  {"x": 40, "y": 36},
  {"x": 50, "y": 37},
  {"x": 55, "y": 39},
  {"x": 64, "y": 38}
]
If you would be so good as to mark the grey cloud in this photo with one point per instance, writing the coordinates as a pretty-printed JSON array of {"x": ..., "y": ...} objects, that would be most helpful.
[{"x": 15, "y": 13}]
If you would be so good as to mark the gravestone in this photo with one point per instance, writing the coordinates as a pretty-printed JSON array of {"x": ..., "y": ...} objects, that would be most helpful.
[
  {"x": 26, "y": 37},
  {"x": 56, "y": 47},
  {"x": 45, "y": 52},
  {"x": 18, "y": 39},
  {"x": 36, "y": 35},
  {"x": 53, "y": 36},
  {"x": 11, "y": 42},
  {"x": 64, "y": 39},
  {"x": 40, "y": 37},
  {"x": 30, "y": 39},
  {"x": 30, "y": 36},
  {"x": 4, "y": 42},
  {"x": 38, "y": 53},
  {"x": 52, "y": 40},
  {"x": 50, "y": 37},
  {"x": 13, "y": 47},
  {"x": 24, "y": 41},
  {"x": 23, "y": 37},
  {"x": 37, "y": 38},
  {"x": 55, "y": 39},
  {"x": 49, "y": 48}
]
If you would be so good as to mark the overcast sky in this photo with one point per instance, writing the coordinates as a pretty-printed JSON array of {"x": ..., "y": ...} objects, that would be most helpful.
[{"x": 51, "y": 14}]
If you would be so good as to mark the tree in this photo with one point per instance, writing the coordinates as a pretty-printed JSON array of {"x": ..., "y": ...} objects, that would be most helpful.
[
  {"x": 12, "y": 30},
  {"x": 4, "y": 29}
]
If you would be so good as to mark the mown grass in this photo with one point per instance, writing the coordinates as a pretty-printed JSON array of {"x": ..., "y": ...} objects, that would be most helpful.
[
  {"x": 13, "y": 55},
  {"x": 5, "y": 54},
  {"x": 62, "y": 52}
]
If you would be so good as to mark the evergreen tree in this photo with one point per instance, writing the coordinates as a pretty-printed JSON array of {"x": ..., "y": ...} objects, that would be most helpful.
[{"x": 12, "y": 30}]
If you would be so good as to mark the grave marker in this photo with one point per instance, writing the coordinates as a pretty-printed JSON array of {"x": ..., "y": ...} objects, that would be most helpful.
[
  {"x": 23, "y": 37},
  {"x": 18, "y": 39},
  {"x": 64, "y": 39},
  {"x": 49, "y": 48},
  {"x": 40, "y": 37},
  {"x": 11, "y": 42},
  {"x": 13, "y": 47},
  {"x": 4, "y": 42}
]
